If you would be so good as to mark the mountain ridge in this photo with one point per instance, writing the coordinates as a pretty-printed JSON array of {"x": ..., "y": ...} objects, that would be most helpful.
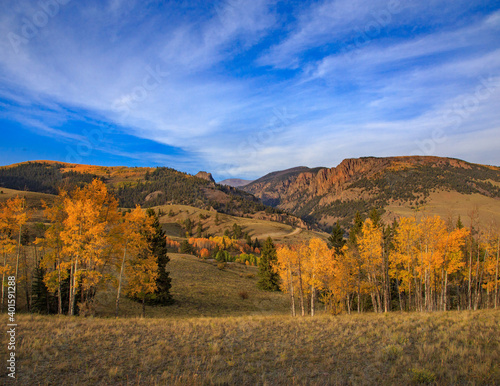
[{"x": 325, "y": 195}]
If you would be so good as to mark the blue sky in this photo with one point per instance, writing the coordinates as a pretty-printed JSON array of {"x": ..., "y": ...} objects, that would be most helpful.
[{"x": 242, "y": 88}]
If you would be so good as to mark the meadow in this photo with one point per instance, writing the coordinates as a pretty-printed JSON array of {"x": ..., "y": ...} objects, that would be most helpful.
[
  {"x": 222, "y": 330},
  {"x": 437, "y": 348}
]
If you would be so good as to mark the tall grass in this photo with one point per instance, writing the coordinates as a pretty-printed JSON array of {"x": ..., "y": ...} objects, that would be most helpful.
[{"x": 440, "y": 348}]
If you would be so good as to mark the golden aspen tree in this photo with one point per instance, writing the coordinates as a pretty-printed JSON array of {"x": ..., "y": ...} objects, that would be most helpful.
[
  {"x": 285, "y": 266},
  {"x": 18, "y": 217},
  {"x": 453, "y": 260},
  {"x": 349, "y": 270},
  {"x": 489, "y": 243},
  {"x": 53, "y": 243},
  {"x": 339, "y": 279},
  {"x": 7, "y": 245},
  {"x": 142, "y": 275},
  {"x": 134, "y": 229},
  {"x": 318, "y": 253},
  {"x": 402, "y": 259},
  {"x": 370, "y": 248},
  {"x": 90, "y": 213},
  {"x": 432, "y": 237}
]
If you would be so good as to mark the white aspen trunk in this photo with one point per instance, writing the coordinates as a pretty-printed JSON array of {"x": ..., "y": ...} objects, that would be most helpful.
[
  {"x": 301, "y": 292},
  {"x": 59, "y": 302},
  {"x": 399, "y": 295},
  {"x": 117, "y": 305},
  {"x": 313, "y": 292},
  {"x": 477, "y": 281},
  {"x": 18, "y": 252},
  {"x": 409, "y": 287},
  {"x": 445, "y": 299},
  {"x": 71, "y": 274},
  {"x": 72, "y": 305},
  {"x": 292, "y": 295},
  {"x": 480, "y": 280},
  {"x": 496, "y": 274}
]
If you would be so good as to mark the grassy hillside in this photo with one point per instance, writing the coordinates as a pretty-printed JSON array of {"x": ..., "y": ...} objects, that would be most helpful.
[
  {"x": 450, "y": 204},
  {"x": 394, "y": 349},
  {"x": 200, "y": 288},
  {"x": 256, "y": 226}
]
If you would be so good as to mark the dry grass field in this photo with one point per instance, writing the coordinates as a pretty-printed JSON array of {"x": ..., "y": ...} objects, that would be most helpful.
[
  {"x": 214, "y": 336},
  {"x": 395, "y": 349}
]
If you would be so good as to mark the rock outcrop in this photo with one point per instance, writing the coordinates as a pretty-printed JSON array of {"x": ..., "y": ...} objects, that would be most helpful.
[{"x": 205, "y": 176}]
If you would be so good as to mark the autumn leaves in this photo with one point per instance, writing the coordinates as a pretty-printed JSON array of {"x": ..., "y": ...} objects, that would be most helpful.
[
  {"x": 410, "y": 266},
  {"x": 88, "y": 244}
]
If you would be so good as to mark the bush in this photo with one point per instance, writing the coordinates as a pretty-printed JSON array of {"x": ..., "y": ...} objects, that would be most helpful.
[
  {"x": 221, "y": 266},
  {"x": 422, "y": 376},
  {"x": 243, "y": 294}
]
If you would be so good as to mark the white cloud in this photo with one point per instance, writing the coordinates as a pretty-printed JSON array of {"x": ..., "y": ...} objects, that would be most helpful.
[{"x": 169, "y": 77}]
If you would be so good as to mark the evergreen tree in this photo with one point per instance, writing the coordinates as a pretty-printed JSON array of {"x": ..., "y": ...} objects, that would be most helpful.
[
  {"x": 186, "y": 247},
  {"x": 375, "y": 217},
  {"x": 158, "y": 245},
  {"x": 40, "y": 296},
  {"x": 268, "y": 279},
  {"x": 356, "y": 228},
  {"x": 199, "y": 230},
  {"x": 237, "y": 232},
  {"x": 248, "y": 239},
  {"x": 336, "y": 240}
]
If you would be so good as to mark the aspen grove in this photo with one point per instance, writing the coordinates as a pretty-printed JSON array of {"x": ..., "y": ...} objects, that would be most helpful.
[
  {"x": 88, "y": 245},
  {"x": 413, "y": 266}
]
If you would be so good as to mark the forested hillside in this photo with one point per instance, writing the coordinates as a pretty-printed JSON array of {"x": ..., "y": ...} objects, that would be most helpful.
[
  {"x": 42, "y": 177},
  {"x": 147, "y": 187}
]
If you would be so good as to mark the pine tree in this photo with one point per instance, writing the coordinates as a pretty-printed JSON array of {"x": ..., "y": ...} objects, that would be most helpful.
[
  {"x": 199, "y": 230},
  {"x": 375, "y": 217},
  {"x": 269, "y": 280},
  {"x": 40, "y": 301},
  {"x": 336, "y": 240},
  {"x": 356, "y": 229},
  {"x": 158, "y": 246}
]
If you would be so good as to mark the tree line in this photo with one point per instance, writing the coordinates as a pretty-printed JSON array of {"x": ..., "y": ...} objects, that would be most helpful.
[
  {"x": 87, "y": 245},
  {"x": 410, "y": 265}
]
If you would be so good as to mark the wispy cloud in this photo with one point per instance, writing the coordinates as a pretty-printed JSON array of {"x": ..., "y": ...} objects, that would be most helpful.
[{"x": 208, "y": 78}]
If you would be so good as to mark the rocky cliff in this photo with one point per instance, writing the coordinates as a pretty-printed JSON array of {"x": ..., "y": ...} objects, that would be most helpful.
[{"x": 329, "y": 194}]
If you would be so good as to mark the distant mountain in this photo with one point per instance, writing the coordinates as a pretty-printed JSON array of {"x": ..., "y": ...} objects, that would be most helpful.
[
  {"x": 235, "y": 182},
  {"x": 142, "y": 186},
  {"x": 395, "y": 185}
]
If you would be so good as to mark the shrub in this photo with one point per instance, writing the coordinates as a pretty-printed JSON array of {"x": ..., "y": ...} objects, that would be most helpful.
[
  {"x": 422, "y": 376},
  {"x": 221, "y": 266},
  {"x": 243, "y": 294}
]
